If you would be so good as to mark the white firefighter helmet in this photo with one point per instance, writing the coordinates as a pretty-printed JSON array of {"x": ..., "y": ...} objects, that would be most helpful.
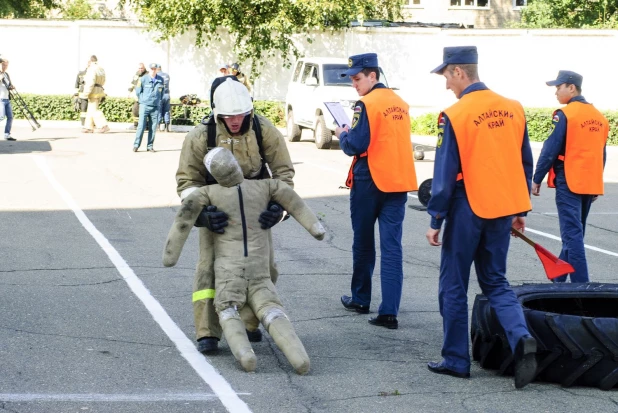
[{"x": 232, "y": 98}]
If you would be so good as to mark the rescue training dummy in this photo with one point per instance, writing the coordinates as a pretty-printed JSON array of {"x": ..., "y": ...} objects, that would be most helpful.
[{"x": 242, "y": 274}]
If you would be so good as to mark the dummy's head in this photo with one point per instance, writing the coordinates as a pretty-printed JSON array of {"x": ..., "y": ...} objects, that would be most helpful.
[
  {"x": 232, "y": 103},
  {"x": 223, "y": 166}
]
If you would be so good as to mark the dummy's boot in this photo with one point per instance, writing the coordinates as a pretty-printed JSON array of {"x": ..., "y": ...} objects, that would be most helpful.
[
  {"x": 167, "y": 127},
  {"x": 281, "y": 330},
  {"x": 236, "y": 337}
]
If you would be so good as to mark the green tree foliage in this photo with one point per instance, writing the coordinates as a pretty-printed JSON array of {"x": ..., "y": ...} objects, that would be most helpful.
[
  {"x": 26, "y": 9},
  {"x": 575, "y": 14},
  {"x": 79, "y": 10},
  {"x": 260, "y": 29}
]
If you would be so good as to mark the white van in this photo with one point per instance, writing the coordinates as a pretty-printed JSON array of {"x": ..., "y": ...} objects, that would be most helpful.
[{"x": 317, "y": 80}]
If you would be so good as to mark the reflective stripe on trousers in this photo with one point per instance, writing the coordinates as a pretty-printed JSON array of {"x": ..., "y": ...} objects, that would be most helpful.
[{"x": 203, "y": 295}]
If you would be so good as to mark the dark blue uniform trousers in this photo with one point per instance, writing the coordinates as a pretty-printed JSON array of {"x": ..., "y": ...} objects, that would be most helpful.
[
  {"x": 573, "y": 211},
  {"x": 368, "y": 203},
  {"x": 148, "y": 115},
  {"x": 468, "y": 238}
]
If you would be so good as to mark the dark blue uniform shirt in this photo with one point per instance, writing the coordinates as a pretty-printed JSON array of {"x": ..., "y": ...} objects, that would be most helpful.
[
  {"x": 555, "y": 145},
  {"x": 356, "y": 141},
  {"x": 448, "y": 165}
]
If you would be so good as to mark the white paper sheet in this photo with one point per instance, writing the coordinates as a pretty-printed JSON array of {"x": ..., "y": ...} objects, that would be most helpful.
[{"x": 335, "y": 109}]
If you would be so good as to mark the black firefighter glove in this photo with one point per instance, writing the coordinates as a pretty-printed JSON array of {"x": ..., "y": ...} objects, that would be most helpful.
[
  {"x": 272, "y": 215},
  {"x": 212, "y": 219}
]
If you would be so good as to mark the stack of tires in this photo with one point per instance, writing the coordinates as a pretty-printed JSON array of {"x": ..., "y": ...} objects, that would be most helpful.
[{"x": 576, "y": 328}]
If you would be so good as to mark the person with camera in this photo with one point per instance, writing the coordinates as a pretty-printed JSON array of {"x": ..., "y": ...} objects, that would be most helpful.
[
  {"x": 94, "y": 80},
  {"x": 81, "y": 105},
  {"x": 6, "y": 111},
  {"x": 234, "y": 70},
  {"x": 141, "y": 71}
]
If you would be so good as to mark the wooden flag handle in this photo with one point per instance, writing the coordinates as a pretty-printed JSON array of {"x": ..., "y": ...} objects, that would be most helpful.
[{"x": 521, "y": 235}]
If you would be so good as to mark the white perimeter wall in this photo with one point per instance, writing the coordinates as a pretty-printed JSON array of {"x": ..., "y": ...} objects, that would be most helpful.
[{"x": 45, "y": 57}]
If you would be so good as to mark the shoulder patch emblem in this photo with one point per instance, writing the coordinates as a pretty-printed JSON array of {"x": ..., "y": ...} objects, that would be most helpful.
[
  {"x": 556, "y": 118},
  {"x": 439, "y": 142},
  {"x": 441, "y": 121},
  {"x": 355, "y": 119},
  {"x": 358, "y": 109}
]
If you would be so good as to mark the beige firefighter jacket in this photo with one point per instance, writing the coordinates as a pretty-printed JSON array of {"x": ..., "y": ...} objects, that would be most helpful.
[
  {"x": 94, "y": 80},
  {"x": 244, "y": 242},
  {"x": 192, "y": 174}
]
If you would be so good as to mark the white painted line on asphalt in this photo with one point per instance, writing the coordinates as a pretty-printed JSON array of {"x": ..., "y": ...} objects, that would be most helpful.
[
  {"x": 205, "y": 370},
  {"x": 544, "y": 234},
  {"x": 590, "y": 247},
  {"x": 145, "y": 397}
]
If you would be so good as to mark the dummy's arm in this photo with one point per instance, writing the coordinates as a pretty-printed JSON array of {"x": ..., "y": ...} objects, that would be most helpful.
[
  {"x": 191, "y": 207},
  {"x": 293, "y": 203}
]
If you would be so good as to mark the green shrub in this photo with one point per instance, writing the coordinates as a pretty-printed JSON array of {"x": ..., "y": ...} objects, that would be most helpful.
[
  {"x": 539, "y": 124},
  {"x": 60, "y": 107}
]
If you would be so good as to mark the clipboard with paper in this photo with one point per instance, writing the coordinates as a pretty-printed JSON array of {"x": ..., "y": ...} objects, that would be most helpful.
[{"x": 335, "y": 109}]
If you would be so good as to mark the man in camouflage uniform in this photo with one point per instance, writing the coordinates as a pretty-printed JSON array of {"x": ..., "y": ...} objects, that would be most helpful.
[
  {"x": 141, "y": 71},
  {"x": 233, "y": 120},
  {"x": 81, "y": 105},
  {"x": 94, "y": 80}
]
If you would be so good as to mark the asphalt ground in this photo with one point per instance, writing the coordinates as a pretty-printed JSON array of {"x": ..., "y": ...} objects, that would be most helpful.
[{"x": 92, "y": 321}]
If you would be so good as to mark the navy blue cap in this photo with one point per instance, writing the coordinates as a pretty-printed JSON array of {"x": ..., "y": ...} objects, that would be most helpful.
[
  {"x": 566, "y": 76},
  {"x": 358, "y": 62},
  {"x": 464, "y": 55}
]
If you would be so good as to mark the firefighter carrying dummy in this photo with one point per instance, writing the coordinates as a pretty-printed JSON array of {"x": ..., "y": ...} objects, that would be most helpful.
[{"x": 242, "y": 265}]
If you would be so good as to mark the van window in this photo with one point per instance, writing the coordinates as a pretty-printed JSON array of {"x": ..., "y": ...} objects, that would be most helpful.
[
  {"x": 310, "y": 70},
  {"x": 299, "y": 65}
]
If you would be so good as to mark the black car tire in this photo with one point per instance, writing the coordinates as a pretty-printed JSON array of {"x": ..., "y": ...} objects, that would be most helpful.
[
  {"x": 323, "y": 136},
  {"x": 576, "y": 328},
  {"x": 293, "y": 130}
]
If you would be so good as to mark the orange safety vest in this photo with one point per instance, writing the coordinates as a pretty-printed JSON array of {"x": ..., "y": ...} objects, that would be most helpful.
[
  {"x": 489, "y": 130},
  {"x": 587, "y": 132},
  {"x": 389, "y": 155}
]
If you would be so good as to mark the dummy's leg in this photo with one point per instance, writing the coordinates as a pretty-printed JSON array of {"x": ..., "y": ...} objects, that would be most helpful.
[
  {"x": 236, "y": 337},
  {"x": 246, "y": 313},
  {"x": 265, "y": 303},
  {"x": 205, "y": 317}
]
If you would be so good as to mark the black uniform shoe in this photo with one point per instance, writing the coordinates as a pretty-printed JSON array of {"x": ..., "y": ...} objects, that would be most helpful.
[
  {"x": 208, "y": 345},
  {"x": 438, "y": 367},
  {"x": 525, "y": 361},
  {"x": 350, "y": 305},
  {"x": 167, "y": 127},
  {"x": 388, "y": 321},
  {"x": 254, "y": 336},
  {"x": 150, "y": 150}
]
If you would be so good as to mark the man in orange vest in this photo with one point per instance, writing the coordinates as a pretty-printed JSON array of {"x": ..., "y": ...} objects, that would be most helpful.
[
  {"x": 381, "y": 175},
  {"x": 481, "y": 186},
  {"x": 574, "y": 155}
]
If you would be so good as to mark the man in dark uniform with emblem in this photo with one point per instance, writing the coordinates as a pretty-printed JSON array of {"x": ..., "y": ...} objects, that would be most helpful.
[
  {"x": 381, "y": 175},
  {"x": 480, "y": 187}
]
